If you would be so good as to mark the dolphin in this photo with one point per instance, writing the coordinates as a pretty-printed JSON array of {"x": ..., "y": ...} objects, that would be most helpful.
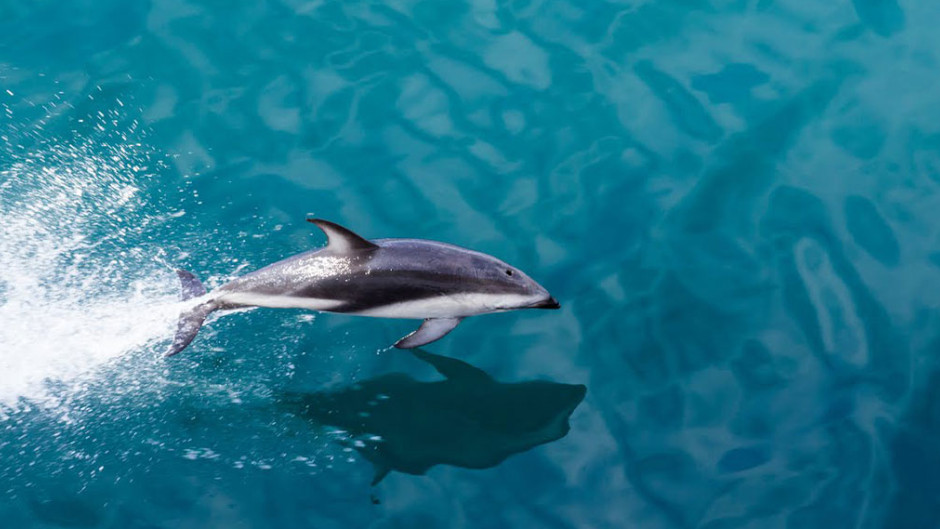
[
  {"x": 387, "y": 278},
  {"x": 467, "y": 420}
]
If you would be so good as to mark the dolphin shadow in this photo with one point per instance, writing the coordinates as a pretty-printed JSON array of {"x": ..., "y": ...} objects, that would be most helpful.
[{"x": 467, "y": 420}]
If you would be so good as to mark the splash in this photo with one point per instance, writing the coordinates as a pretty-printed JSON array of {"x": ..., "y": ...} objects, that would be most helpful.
[{"x": 80, "y": 286}]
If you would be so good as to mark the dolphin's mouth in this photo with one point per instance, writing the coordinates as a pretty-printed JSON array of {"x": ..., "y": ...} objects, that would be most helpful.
[{"x": 548, "y": 303}]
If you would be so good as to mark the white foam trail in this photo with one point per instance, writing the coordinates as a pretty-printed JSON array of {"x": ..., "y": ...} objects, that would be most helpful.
[{"x": 77, "y": 288}]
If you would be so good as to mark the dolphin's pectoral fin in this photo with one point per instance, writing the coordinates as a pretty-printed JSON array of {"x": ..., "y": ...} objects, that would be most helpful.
[
  {"x": 340, "y": 239},
  {"x": 431, "y": 330}
]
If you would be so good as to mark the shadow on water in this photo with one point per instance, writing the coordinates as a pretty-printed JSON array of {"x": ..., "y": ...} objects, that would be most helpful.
[
  {"x": 106, "y": 456},
  {"x": 467, "y": 420}
]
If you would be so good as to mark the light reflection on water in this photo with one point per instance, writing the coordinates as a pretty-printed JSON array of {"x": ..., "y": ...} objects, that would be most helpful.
[{"x": 735, "y": 204}]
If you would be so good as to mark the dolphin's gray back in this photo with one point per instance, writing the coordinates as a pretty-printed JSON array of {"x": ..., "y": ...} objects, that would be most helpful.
[{"x": 398, "y": 270}]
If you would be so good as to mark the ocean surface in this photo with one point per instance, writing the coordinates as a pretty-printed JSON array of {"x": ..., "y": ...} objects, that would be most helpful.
[{"x": 736, "y": 202}]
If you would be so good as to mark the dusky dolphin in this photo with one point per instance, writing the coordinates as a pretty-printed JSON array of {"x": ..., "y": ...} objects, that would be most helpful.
[
  {"x": 468, "y": 420},
  {"x": 387, "y": 278}
]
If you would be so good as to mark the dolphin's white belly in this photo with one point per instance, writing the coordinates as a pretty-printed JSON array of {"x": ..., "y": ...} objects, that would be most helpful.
[
  {"x": 419, "y": 309},
  {"x": 445, "y": 306},
  {"x": 278, "y": 302}
]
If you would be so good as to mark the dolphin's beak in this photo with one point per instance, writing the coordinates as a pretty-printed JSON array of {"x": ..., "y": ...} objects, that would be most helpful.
[{"x": 548, "y": 303}]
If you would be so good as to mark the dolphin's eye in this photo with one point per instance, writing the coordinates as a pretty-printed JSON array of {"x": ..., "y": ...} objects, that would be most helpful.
[{"x": 509, "y": 272}]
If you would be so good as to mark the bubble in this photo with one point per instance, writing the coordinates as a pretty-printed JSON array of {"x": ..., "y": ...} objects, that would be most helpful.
[{"x": 78, "y": 288}]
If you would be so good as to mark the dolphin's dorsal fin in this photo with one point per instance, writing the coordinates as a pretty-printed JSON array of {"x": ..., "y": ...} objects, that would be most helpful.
[
  {"x": 340, "y": 239},
  {"x": 452, "y": 368}
]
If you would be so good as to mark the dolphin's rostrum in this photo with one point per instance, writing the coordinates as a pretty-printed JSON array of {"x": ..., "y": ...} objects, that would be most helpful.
[{"x": 387, "y": 278}]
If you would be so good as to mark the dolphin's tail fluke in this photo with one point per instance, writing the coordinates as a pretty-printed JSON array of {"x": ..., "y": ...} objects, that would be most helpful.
[
  {"x": 192, "y": 287},
  {"x": 191, "y": 320}
]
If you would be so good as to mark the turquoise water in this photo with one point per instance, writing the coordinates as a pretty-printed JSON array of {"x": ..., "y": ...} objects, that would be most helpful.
[{"x": 735, "y": 202}]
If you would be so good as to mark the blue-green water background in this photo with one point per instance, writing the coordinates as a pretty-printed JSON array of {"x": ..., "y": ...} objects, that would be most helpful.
[{"x": 736, "y": 203}]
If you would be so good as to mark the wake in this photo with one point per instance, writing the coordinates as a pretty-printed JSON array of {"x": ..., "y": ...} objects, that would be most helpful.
[{"x": 79, "y": 285}]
